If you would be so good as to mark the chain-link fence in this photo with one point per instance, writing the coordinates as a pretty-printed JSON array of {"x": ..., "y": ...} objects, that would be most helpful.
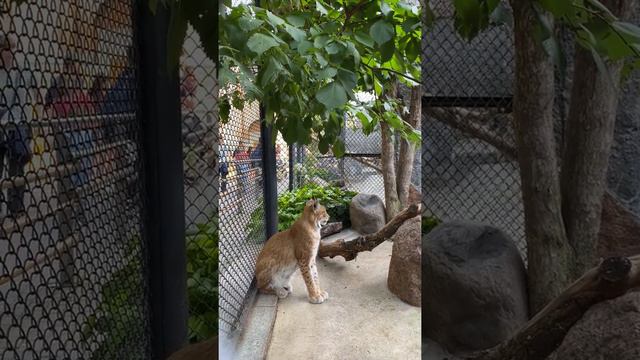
[
  {"x": 359, "y": 170},
  {"x": 72, "y": 256},
  {"x": 199, "y": 93},
  {"x": 469, "y": 167},
  {"x": 242, "y": 213}
]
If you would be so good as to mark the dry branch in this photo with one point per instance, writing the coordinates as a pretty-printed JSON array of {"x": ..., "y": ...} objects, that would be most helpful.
[
  {"x": 545, "y": 332},
  {"x": 350, "y": 249}
]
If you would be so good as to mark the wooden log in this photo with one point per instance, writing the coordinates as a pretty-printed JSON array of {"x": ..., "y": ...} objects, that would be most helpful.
[
  {"x": 544, "y": 332},
  {"x": 349, "y": 250},
  {"x": 330, "y": 229}
]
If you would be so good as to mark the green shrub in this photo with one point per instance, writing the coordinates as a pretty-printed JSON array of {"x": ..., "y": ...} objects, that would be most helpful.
[
  {"x": 291, "y": 204},
  {"x": 428, "y": 223},
  {"x": 202, "y": 281},
  {"x": 121, "y": 309},
  {"x": 335, "y": 199}
]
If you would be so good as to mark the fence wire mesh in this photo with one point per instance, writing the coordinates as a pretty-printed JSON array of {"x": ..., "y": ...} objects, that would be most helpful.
[
  {"x": 199, "y": 93},
  {"x": 242, "y": 214},
  {"x": 469, "y": 171},
  {"x": 359, "y": 170},
  {"x": 72, "y": 259}
]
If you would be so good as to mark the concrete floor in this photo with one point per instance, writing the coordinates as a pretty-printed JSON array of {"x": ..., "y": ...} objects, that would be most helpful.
[{"x": 361, "y": 320}]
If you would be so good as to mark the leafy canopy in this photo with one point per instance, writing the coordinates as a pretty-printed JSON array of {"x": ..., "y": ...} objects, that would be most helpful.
[
  {"x": 595, "y": 27},
  {"x": 306, "y": 61}
]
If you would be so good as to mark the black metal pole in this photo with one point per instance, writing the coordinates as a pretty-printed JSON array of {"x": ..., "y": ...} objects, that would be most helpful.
[
  {"x": 270, "y": 178},
  {"x": 164, "y": 215},
  {"x": 292, "y": 154}
]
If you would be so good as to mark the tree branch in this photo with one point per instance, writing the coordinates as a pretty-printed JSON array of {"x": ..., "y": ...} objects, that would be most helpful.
[
  {"x": 349, "y": 250},
  {"x": 466, "y": 121}
]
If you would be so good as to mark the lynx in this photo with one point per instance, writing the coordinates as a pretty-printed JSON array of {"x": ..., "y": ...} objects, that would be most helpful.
[{"x": 295, "y": 247}]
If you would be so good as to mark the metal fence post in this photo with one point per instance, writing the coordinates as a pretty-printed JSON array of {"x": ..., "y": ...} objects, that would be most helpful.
[
  {"x": 292, "y": 154},
  {"x": 270, "y": 178},
  {"x": 164, "y": 217}
]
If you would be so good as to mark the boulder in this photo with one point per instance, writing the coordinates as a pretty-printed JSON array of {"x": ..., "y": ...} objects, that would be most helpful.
[
  {"x": 367, "y": 213},
  {"x": 404, "y": 279},
  {"x": 475, "y": 287},
  {"x": 609, "y": 330}
]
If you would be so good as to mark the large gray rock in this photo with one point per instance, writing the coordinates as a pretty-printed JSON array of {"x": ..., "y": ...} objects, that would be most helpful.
[
  {"x": 475, "y": 286},
  {"x": 367, "y": 213},
  {"x": 609, "y": 330},
  {"x": 404, "y": 277}
]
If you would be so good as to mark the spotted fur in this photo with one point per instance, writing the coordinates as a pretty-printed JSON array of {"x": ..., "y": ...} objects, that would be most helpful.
[{"x": 293, "y": 248}]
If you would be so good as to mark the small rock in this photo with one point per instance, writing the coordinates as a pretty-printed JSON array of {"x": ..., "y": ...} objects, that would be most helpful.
[
  {"x": 475, "y": 287},
  {"x": 404, "y": 279},
  {"x": 367, "y": 213}
]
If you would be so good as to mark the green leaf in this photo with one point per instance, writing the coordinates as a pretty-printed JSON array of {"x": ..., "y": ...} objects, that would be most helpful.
[
  {"x": 259, "y": 43},
  {"x": 270, "y": 71},
  {"x": 249, "y": 23},
  {"x": 304, "y": 46},
  {"x": 382, "y": 32},
  {"x": 327, "y": 73},
  {"x": 332, "y": 95},
  {"x": 627, "y": 30},
  {"x": 274, "y": 19},
  {"x": 320, "y": 41},
  {"x": 338, "y": 149},
  {"x": 321, "y": 9},
  {"x": 364, "y": 39},
  {"x": 559, "y": 8},
  {"x": 347, "y": 78},
  {"x": 296, "y": 20},
  {"x": 296, "y": 34},
  {"x": 599, "y": 6},
  {"x": 385, "y": 8},
  {"x": 386, "y": 51}
]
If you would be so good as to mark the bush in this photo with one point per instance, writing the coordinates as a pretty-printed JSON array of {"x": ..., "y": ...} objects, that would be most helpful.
[
  {"x": 335, "y": 199},
  {"x": 202, "y": 281},
  {"x": 121, "y": 309}
]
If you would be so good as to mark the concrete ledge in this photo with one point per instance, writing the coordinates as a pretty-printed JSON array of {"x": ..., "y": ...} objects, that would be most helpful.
[{"x": 256, "y": 335}]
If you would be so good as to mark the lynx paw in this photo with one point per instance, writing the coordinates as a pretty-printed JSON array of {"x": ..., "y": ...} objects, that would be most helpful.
[
  {"x": 320, "y": 298},
  {"x": 282, "y": 293}
]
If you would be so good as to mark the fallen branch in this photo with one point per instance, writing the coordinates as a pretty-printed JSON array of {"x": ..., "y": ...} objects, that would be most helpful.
[
  {"x": 350, "y": 249},
  {"x": 545, "y": 332}
]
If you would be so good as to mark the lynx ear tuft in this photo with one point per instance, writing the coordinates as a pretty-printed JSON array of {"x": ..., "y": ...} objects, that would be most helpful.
[{"x": 316, "y": 205}]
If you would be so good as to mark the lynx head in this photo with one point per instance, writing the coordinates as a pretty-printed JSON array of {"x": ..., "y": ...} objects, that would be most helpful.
[{"x": 317, "y": 212}]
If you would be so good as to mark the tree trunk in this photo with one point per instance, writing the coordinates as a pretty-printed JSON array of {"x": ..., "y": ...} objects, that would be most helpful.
[
  {"x": 349, "y": 250},
  {"x": 407, "y": 149},
  {"x": 545, "y": 332},
  {"x": 392, "y": 202},
  {"x": 588, "y": 141},
  {"x": 547, "y": 249}
]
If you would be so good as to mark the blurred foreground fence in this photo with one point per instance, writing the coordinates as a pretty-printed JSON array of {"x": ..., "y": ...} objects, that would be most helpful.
[{"x": 108, "y": 208}]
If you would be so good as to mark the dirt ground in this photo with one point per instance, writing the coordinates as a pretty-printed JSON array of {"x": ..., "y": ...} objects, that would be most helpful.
[{"x": 361, "y": 320}]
